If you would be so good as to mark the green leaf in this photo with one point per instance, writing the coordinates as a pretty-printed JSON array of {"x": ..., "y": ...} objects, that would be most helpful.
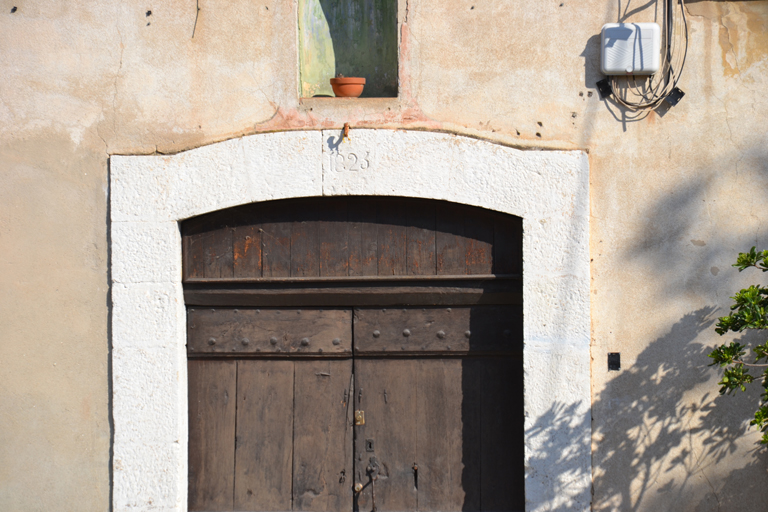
[{"x": 748, "y": 311}]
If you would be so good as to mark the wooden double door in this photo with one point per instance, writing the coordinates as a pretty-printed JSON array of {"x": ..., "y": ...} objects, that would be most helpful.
[{"x": 386, "y": 393}]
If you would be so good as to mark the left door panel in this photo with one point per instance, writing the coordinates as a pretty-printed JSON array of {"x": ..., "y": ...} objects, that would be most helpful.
[
  {"x": 270, "y": 430},
  {"x": 293, "y": 441}
]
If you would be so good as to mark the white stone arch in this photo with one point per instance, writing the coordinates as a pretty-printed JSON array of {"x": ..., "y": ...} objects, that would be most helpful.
[{"x": 149, "y": 195}]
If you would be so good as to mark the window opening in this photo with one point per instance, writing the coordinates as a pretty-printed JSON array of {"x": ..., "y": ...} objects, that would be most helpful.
[{"x": 353, "y": 38}]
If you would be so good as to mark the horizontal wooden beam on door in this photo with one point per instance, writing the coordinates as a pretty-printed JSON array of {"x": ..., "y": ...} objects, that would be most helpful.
[
  {"x": 275, "y": 332},
  {"x": 355, "y": 279},
  {"x": 328, "y": 333},
  {"x": 446, "y": 330},
  {"x": 378, "y": 291}
]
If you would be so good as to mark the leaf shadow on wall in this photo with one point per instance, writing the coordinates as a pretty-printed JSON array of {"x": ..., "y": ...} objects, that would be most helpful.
[
  {"x": 650, "y": 431},
  {"x": 647, "y": 428},
  {"x": 662, "y": 433}
]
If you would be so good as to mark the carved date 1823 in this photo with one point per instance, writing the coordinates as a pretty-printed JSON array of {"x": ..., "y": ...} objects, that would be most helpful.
[{"x": 351, "y": 162}]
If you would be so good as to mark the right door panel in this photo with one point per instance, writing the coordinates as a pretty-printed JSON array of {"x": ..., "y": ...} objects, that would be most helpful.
[{"x": 442, "y": 395}]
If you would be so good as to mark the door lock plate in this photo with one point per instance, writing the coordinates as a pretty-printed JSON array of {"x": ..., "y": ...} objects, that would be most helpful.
[{"x": 359, "y": 418}]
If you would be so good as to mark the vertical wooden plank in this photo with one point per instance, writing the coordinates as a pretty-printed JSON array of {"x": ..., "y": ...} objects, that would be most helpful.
[
  {"x": 217, "y": 252},
  {"x": 479, "y": 233},
  {"x": 211, "y": 434},
  {"x": 264, "y": 447},
  {"x": 193, "y": 256},
  {"x": 202, "y": 242},
  {"x": 502, "y": 470},
  {"x": 332, "y": 233},
  {"x": 420, "y": 240},
  {"x": 392, "y": 221},
  {"x": 363, "y": 237},
  {"x": 276, "y": 245},
  {"x": 246, "y": 242},
  {"x": 305, "y": 261},
  {"x": 322, "y": 447},
  {"x": 472, "y": 388},
  {"x": 450, "y": 244},
  {"x": 440, "y": 435},
  {"x": 508, "y": 245},
  {"x": 386, "y": 390}
]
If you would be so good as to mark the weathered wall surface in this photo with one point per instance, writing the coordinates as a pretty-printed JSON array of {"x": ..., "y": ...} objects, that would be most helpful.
[{"x": 673, "y": 198}]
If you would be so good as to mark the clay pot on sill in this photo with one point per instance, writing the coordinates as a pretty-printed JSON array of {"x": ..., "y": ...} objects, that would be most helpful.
[{"x": 348, "y": 86}]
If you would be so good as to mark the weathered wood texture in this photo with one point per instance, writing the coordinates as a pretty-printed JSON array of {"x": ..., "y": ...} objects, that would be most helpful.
[
  {"x": 351, "y": 237},
  {"x": 233, "y": 332},
  {"x": 270, "y": 435},
  {"x": 363, "y": 238},
  {"x": 446, "y": 433},
  {"x": 322, "y": 460},
  {"x": 441, "y": 432},
  {"x": 211, "y": 434},
  {"x": 360, "y": 291},
  {"x": 386, "y": 390},
  {"x": 264, "y": 445},
  {"x": 210, "y": 252},
  {"x": 455, "y": 330},
  {"x": 274, "y": 386}
]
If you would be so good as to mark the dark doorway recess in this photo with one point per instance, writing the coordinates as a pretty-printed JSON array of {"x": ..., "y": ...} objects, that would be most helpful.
[{"x": 343, "y": 342}]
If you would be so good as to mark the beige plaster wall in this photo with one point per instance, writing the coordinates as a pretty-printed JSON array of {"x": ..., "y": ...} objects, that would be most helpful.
[{"x": 673, "y": 197}]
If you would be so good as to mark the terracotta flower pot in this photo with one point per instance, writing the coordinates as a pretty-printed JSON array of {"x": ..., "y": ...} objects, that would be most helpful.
[{"x": 348, "y": 86}]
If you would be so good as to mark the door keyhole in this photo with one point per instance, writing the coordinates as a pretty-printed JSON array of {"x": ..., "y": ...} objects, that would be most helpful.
[{"x": 415, "y": 468}]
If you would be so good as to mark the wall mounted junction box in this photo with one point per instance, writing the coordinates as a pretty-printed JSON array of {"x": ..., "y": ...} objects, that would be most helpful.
[{"x": 630, "y": 48}]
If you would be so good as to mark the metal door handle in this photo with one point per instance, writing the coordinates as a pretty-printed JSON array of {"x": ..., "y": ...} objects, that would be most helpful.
[{"x": 373, "y": 474}]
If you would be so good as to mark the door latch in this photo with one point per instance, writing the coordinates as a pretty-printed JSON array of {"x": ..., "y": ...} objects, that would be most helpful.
[
  {"x": 373, "y": 474},
  {"x": 359, "y": 418}
]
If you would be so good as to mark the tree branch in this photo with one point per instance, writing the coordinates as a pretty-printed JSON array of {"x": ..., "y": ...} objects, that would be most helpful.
[{"x": 739, "y": 361}]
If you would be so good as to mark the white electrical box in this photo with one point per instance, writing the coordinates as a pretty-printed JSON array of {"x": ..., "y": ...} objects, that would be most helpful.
[{"x": 630, "y": 48}]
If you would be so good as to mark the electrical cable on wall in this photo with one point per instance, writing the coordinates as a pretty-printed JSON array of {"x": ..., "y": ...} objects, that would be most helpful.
[{"x": 648, "y": 94}]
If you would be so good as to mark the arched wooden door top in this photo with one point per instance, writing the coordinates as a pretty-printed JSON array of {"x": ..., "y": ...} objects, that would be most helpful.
[
  {"x": 351, "y": 237},
  {"x": 289, "y": 313}
]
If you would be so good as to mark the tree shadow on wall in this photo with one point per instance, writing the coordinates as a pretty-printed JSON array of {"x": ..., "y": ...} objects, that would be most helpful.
[
  {"x": 560, "y": 442},
  {"x": 663, "y": 437},
  {"x": 651, "y": 430},
  {"x": 645, "y": 425}
]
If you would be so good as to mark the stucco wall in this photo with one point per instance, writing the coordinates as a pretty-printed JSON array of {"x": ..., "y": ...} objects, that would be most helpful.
[{"x": 673, "y": 199}]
